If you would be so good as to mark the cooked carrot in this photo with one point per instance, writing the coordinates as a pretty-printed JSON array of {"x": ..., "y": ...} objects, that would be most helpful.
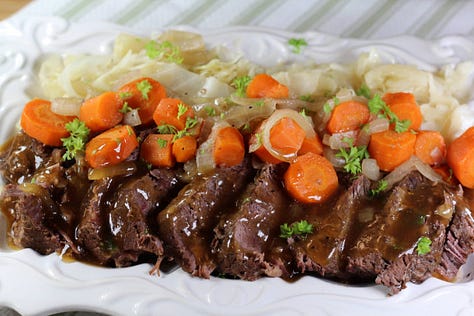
[
  {"x": 408, "y": 111},
  {"x": 398, "y": 97},
  {"x": 460, "y": 158},
  {"x": 143, "y": 94},
  {"x": 313, "y": 145},
  {"x": 261, "y": 152},
  {"x": 156, "y": 150},
  {"x": 111, "y": 147},
  {"x": 265, "y": 86},
  {"x": 172, "y": 112},
  {"x": 39, "y": 122},
  {"x": 348, "y": 116},
  {"x": 286, "y": 136},
  {"x": 229, "y": 148},
  {"x": 311, "y": 178},
  {"x": 102, "y": 112},
  {"x": 391, "y": 149},
  {"x": 184, "y": 148},
  {"x": 430, "y": 147}
]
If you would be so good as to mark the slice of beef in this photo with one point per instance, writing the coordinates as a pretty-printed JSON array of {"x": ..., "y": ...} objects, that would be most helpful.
[
  {"x": 459, "y": 242},
  {"x": 33, "y": 216},
  {"x": 92, "y": 234},
  {"x": 322, "y": 251},
  {"x": 186, "y": 225},
  {"x": 245, "y": 239},
  {"x": 133, "y": 208}
]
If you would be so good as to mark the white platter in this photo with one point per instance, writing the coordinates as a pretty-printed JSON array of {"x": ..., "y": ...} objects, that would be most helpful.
[{"x": 33, "y": 284}]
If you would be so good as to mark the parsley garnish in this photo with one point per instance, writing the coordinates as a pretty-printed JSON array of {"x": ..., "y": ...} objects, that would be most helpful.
[
  {"x": 381, "y": 186},
  {"x": 190, "y": 123},
  {"x": 240, "y": 84},
  {"x": 166, "y": 129},
  {"x": 210, "y": 111},
  {"x": 182, "y": 109},
  {"x": 353, "y": 156},
  {"x": 378, "y": 106},
  {"x": 76, "y": 140},
  {"x": 303, "y": 112},
  {"x": 297, "y": 44},
  {"x": 363, "y": 91},
  {"x": 164, "y": 50},
  {"x": 301, "y": 229},
  {"x": 162, "y": 142},
  {"x": 307, "y": 98},
  {"x": 144, "y": 87},
  {"x": 423, "y": 246},
  {"x": 327, "y": 108},
  {"x": 259, "y": 103},
  {"x": 125, "y": 95},
  {"x": 125, "y": 108}
]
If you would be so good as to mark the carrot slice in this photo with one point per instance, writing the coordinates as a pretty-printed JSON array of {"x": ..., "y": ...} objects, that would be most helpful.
[
  {"x": 348, "y": 116},
  {"x": 398, "y": 97},
  {"x": 172, "y": 112},
  {"x": 265, "y": 86},
  {"x": 101, "y": 112},
  {"x": 111, "y": 147},
  {"x": 391, "y": 149},
  {"x": 311, "y": 178},
  {"x": 156, "y": 149},
  {"x": 184, "y": 148},
  {"x": 286, "y": 136},
  {"x": 430, "y": 147},
  {"x": 408, "y": 111},
  {"x": 143, "y": 94},
  {"x": 39, "y": 122},
  {"x": 313, "y": 145},
  {"x": 460, "y": 158},
  {"x": 229, "y": 148}
]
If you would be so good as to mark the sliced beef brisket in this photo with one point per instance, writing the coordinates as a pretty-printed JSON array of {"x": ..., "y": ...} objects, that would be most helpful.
[
  {"x": 244, "y": 239},
  {"x": 186, "y": 225}
]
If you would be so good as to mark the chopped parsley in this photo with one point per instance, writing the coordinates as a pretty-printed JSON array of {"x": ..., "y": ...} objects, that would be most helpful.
[
  {"x": 77, "y": 139},
  {"x": 353, "y": 156},
  {"x": 125, "y": 95},
  {"x": 240, "y": 84},
  {"x": 162, "y": 142},
  {"x": 303, "y": 112},
  {"x": 378, "y": 106},
  {"x": 125, "y": 108},
  {"x": 423, "y": 246},
  {"x": 381, "y": 186},
  {"x": 363, "y": 91},
  {"x": 210, "y": 111},
  {"x": 259, "y": 103},
  {"x": 307, "y": 98},
  {"x": 166, "y": 129},
  {"x": 327, "y": 108},
  {"x": 182, "y": 109},
  {"x": 164, "y": 50},
  {"x": 297, "y": 44},
  {"x": 300, "y": 229},
  {"x": 144, "y": 87},
  {"x": 191, "y": 122}
]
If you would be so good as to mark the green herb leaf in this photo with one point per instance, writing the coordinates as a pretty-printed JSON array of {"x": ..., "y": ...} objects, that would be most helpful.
[
  {"x": 297, "y": 44},
  {"x": 377, "y": 106},
  {"x": 162, "y": 142},
  {"x": 327, "y": 108},
  {"x": 125, "y": 108},
  {"x": 300, "y": 229},
  {"x": 144, "y": 87},
  {"x": 381, "y": 186},
  {"x": 210, "y": 111},
  {"x": 423, "y": 246},
  {"x": 125, "y": 95},
  {"x": 240, "y": 84},
  {"x": 353, "y": 157},
  {"x": 363, "y": 91},
  {"x": 307, "y": 98},
  {"x": 181, "y": 109},
  {"x": 259, "y": 103},
  {"x": 164, "y": 50},
  {"x": 77, "y": 139},
  {"x": 166, "y": 129}
]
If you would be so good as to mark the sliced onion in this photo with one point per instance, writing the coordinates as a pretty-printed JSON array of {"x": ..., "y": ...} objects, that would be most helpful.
[
  {"x": 374, "y": 126},
  {"x": 294, "y": 104},
  {"x": 246, "y": 110},
  {"x": 66, "y": 106},
  {"x": 445, "y": 210},
  {"x": 123, "y": 168},
  {"x": 337, "y": 162},
  {"x": 414, "y": 163},
  {"x": 132, "y": 118},
  {"x": 339, "y": 140},
  {"x": 204, "y": 155},
  {"x": 302, "y": 121},
  {"x": 371, "y": 169}
]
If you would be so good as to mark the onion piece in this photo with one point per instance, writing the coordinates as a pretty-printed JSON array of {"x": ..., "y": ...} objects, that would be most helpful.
[
  {"x": 123, "y": 168},
  {"x": 371, "y": 169},
  {"x": 303, "y": 122},
  {"x": 66, "y": 106},
  {"x": 132, "y": 118},
  {"x": 204, "y": 155},
  {"x": 414, "y": 163},
  {"x": 337, "y": 162},
  {"x": 247, "y": 110},
  {"x": 375, "y": 126}
]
